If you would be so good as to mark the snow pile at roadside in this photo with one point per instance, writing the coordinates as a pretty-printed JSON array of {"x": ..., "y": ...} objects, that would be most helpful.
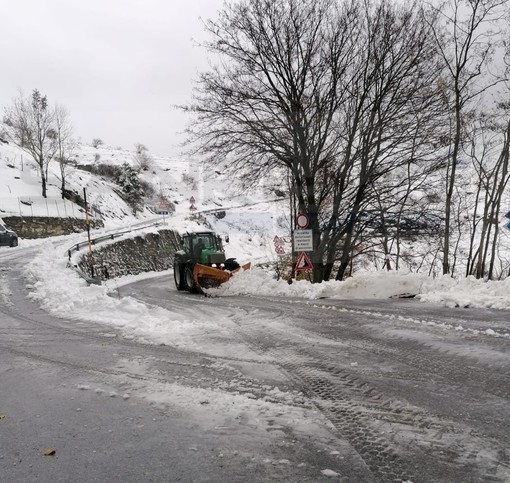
[
  {"x": 364, "y": 285},
  {"x": 61, "y": 291},
  {"x": 464, "y": 292}
]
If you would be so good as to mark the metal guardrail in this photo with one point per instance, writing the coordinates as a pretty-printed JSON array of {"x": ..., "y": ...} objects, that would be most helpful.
[
  {"x": 227, "y": 208},
  {"x": 110, "y": 236}
]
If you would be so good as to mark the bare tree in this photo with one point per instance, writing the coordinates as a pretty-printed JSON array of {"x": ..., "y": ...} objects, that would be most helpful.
[
  {"x": 272, "y": 102},
  {"x": 466, "y": 40},
  {"x": 63, "y": 130},
  {"x": 140, "y": 148},
  {"x": 32, "y": 128},
  {"x": 142, "y": 158},
  {"x": 389, "y": 120},
  {"x": 327, "y": 90},
  {"x": 490, "y": 147}
]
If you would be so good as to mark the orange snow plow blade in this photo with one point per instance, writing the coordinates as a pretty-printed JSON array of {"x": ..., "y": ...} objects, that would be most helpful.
[{"x": 209, "y": 277}]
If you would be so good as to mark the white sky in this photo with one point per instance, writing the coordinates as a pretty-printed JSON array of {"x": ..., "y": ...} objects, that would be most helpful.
[{"x": 118, "y": 65}]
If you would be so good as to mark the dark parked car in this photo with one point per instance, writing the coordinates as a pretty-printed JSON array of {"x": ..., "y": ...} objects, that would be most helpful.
[{"x": 8, "y": 237}]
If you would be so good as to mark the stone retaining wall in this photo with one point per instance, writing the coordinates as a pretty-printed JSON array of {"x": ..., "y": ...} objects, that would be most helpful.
[
  {"x": 43, "y": 227},
  {"x": 152, "y": 252}
]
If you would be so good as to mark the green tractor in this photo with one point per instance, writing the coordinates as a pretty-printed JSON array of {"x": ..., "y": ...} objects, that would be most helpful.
[{"x": 201, "y": 262}]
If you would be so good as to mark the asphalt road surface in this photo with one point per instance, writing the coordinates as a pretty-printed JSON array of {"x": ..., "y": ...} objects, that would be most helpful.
[{"x": 291, "y": 390}]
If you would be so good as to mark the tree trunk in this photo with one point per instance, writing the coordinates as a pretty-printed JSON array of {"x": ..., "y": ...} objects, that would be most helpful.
[{"x": 43, "y": 184}]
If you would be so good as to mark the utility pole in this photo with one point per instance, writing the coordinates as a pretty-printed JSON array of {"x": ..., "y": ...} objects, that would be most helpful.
[{"x": 87, "y": 224}]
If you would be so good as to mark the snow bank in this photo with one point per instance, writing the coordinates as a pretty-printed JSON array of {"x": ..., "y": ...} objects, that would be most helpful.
[
  {"x": 463, "y": 292},
  {"x": 60, "y": 291},
  {"x": 362, "y": 285},
  {"x": 466, "y": 292}
]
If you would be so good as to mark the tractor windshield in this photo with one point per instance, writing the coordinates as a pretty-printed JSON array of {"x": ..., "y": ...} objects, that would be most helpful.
[{"x": 203, "y": 244}]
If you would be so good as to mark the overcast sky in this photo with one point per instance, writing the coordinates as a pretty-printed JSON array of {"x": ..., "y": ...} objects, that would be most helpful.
[{"x": 117, "y": 65}]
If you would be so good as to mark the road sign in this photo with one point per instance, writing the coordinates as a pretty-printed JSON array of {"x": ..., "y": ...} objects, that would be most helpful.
[
  {"x": 279, "y": 250},
  {"x": 303, "y": 240},
  {"x": 302, "y": 221},
  {"x": 278, "y": 245},
  {"x": 277, "y": 240},
  {"x": 304, "y": 262}
]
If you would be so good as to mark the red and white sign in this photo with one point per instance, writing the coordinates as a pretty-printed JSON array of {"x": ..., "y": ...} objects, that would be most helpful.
[
  {"x": 304, "y": 262},
  {"x": 278, "y": 245},
  {"x": 302, "y": 221}
]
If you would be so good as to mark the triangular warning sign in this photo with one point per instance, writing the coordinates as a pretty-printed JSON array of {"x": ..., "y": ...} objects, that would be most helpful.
[{"x": 304, "y": 262}]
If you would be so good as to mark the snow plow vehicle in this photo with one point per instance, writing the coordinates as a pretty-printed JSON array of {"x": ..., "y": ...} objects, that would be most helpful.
[{"x": 201, "y": 262}]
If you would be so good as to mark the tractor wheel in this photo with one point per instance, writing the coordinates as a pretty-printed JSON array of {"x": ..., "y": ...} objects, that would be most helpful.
[
  {"x": 189, "y": 282},
  {"x": 179, "y": 276}
]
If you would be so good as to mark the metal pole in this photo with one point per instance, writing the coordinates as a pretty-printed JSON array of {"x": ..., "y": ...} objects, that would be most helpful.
[{"x": 87, "y": 224}]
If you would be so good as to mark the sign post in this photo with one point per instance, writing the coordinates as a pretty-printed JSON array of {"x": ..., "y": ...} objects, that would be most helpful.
[{"x": 87, "y": 224}]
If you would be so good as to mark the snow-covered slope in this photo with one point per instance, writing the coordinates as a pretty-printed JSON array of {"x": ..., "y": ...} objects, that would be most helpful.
[{"x": 251, "y": 220}]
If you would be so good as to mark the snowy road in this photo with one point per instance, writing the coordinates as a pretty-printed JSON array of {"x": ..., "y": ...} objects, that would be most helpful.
[
  {"x": 118, "y": 410},
  {"x": 262, "y": 389},
  {"x": 419, "y": 392}
]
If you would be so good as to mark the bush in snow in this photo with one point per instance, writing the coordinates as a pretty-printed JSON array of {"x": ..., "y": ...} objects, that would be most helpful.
[{"x": 96, "y": 142}]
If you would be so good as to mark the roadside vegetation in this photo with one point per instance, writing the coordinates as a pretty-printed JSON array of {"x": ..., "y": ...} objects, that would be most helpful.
[{"x": 387, "y": 122}]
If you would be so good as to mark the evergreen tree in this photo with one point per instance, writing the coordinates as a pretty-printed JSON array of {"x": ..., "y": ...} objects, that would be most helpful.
[{"x": 131, "y": 186}]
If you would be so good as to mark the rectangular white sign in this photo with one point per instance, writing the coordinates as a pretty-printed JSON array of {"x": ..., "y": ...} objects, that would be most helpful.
[{"x": 303, "y": 240}]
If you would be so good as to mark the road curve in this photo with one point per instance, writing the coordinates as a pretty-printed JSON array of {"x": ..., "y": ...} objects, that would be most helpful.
[
  {"x": 421, "y": 393},
  {"x": 277, "y": 390}
]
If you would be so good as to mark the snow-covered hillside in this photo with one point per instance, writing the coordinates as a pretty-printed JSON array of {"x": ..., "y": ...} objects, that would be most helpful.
[{"x": 251, "y": 220}]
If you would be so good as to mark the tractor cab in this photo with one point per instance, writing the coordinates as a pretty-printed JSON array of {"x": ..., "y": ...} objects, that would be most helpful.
[{"x": 203, "y": 247}]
